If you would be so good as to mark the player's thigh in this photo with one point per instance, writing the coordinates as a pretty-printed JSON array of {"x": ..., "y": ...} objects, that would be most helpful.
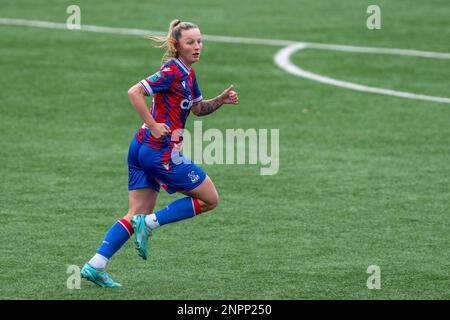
[
  {"x": 205, "y": 192},
  {"x": 142, "y": 201}
]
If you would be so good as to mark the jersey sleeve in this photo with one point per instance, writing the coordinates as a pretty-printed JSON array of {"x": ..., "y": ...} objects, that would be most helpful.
[
  {"x": 158, "y": 81},
  {"x": 197, "y": 94}
]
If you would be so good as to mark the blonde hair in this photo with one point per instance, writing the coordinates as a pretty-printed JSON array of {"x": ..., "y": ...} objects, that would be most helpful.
[{"x": 169, "y": 42}]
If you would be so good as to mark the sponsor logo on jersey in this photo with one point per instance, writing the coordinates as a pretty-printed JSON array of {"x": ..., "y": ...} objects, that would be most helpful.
[
  {"x": 155, "y": 77},
  {"x": 186, "y": 104}
]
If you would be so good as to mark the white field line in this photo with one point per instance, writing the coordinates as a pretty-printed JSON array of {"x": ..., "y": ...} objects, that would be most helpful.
[
  {"x": 390, "y": 51},
  {"x": 137, "y": 32},
  {"x": 281, "y": 58},
  {"x": 226, "y": 39}
]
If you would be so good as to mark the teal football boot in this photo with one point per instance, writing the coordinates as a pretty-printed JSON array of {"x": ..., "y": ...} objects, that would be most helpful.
[
  {"x": 141, "y": 235},
  {"x": 100, "y": 278}
]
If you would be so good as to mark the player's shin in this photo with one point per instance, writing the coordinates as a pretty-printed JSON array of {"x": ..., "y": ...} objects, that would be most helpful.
[
  {"x": 119, "y": 233},
  {"x": 180, "y": 209}
]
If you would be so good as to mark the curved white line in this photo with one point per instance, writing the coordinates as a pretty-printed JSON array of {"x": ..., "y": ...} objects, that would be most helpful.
[
  {"x": 401, "y": 52},
  {"x": 282, "y": 59}
]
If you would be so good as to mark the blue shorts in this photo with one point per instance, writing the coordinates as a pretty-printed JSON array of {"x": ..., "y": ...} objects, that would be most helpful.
[{"x": 152, "y": 168}]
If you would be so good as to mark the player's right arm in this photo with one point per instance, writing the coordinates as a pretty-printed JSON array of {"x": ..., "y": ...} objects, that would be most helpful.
[{"x": 137, "y": 95}]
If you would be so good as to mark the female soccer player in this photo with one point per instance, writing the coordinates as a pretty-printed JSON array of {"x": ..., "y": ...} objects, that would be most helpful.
[{"x": 154, "y": 157}]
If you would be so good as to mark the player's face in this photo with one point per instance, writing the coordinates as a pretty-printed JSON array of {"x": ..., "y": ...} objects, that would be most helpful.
[{"x": 190, "y": 46}]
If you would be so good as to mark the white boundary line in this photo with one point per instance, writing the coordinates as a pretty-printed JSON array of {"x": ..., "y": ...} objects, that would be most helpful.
[
  {"x": 240, "y": 40},
  {"x": 137, "y": 32},
  {"x": 282, "y": 57}
]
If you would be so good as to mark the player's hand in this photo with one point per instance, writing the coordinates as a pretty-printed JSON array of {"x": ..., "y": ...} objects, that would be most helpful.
[
  {"x": 229, "y": 96},
  {"x": 159, "y": 130}
]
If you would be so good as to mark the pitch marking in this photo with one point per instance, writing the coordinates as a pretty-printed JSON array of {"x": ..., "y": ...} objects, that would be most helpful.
[{"x": 282, "y": 57}]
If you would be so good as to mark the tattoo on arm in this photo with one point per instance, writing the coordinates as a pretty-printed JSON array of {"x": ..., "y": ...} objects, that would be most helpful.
[
  {"x": 209, "y": 106},
  {"x": 142, "y": 90}
]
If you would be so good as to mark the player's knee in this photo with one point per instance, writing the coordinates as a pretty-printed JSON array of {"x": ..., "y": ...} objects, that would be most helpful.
[
  {"x": 210, "y": 202},
  {"x": 214, "y": 200}
]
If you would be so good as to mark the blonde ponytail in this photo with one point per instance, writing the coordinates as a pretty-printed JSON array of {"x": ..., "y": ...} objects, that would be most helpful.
[{"x": 169, "y": 42}]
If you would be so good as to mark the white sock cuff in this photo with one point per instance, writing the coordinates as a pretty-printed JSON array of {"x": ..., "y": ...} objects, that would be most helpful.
[
  {"x": 98, "y": 262},
  {"x": 151, "y": 221}
]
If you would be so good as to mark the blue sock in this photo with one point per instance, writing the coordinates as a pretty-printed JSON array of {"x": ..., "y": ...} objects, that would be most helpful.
[
  {"x": 119, "y": 233},
  {"x": 180, "y": 209}
]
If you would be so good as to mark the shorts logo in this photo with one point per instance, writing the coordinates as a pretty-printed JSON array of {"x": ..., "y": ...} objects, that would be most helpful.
[{"x": 193, "y": 176}]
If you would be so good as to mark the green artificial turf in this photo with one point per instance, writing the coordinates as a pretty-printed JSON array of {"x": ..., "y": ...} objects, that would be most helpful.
[{"x": 364, "y": 179}]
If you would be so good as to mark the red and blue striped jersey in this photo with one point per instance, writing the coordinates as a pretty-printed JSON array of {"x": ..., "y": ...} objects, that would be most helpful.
[{"x": 174, "y": 89}]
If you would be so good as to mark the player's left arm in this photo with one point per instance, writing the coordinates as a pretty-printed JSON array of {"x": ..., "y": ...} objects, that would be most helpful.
[{"x": 204, "y": 107}]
